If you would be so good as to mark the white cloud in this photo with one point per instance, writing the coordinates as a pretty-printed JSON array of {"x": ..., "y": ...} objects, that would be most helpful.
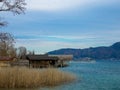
[
  {"x": 48, "y": 5},
  {"x": 54, "y": 5},
  {"x": 55, "y": 38},
  {"x": 73, "y": 37}
]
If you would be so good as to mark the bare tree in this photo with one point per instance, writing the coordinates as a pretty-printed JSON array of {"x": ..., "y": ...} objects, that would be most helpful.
[
  {"x": 7, "y": 44},
  {"x": 14, "y": 6},
  {"x": 21, "y": 52}
]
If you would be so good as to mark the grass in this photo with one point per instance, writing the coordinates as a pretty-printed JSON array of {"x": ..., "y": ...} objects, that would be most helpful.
[{"x": 29, "y": 78}]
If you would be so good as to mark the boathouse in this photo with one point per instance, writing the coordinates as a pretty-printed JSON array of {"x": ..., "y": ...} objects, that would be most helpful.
[{"x": 40, "y": 61}]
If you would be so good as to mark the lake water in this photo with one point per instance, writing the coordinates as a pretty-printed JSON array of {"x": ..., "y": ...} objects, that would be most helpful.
[{"x": 99, "y": 75}]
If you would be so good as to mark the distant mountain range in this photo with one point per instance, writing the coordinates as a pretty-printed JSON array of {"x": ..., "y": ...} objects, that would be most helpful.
[{"x": 111, "y": 52}]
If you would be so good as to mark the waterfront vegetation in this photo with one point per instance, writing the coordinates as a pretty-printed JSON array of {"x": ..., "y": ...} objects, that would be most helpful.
[{"x": 22, "y": 77}]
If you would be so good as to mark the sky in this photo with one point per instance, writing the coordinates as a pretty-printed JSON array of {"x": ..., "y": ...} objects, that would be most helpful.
[{"x": 54, "y": 24}]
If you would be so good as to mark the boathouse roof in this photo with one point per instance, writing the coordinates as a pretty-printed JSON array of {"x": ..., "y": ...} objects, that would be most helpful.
[{"x": 41, "y": 57}]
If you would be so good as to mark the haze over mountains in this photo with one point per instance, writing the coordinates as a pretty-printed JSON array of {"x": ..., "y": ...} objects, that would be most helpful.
[{"x": 103, "y": 52}]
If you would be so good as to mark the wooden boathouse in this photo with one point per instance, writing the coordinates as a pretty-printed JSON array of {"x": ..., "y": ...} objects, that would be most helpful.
[{"x": 40, "y": 61}]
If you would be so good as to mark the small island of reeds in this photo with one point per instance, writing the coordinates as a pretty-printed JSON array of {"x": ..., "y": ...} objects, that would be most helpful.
[{"x": 22, "y": 77}]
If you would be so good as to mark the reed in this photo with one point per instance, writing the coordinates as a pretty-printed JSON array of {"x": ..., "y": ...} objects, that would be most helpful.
[{"x": 18, "y": 77}]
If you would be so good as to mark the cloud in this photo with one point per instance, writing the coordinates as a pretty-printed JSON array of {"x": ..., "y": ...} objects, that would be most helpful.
[
  {"x": 54, "y": 38},
  {"x": 54, "y": 5},
  {"x": 51, "y": 5}
]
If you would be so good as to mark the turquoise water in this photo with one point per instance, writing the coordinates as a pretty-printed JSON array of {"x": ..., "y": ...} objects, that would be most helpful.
[{"x": 99, "y": 75}]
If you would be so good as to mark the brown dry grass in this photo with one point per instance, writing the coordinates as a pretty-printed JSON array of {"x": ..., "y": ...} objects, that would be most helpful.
[{"x": 29, "y": 78}]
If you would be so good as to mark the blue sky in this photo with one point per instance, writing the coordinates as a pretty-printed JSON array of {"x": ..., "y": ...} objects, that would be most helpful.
[{"x": 53, "y": 24}]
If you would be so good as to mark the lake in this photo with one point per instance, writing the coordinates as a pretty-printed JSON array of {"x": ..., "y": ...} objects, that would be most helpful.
[{"x": 99, "y": 75}]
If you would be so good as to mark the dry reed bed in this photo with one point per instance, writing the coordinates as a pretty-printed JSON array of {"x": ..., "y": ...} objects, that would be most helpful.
[{"x": 29, "y": 78}]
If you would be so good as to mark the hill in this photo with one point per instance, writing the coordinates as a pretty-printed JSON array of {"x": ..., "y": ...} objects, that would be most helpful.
[{"x": 111, "y": 52}]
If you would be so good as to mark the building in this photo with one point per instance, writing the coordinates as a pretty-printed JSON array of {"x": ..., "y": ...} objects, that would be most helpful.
[
  {"x": 5, "y": 61},
  {"x": 40, "y": 61}
]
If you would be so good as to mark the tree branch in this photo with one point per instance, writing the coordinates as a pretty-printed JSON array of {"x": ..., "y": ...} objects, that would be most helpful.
[{"x": 14, "y": 6}]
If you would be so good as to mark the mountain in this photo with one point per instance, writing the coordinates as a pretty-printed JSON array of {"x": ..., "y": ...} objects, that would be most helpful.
[{"x": 111, "y": 52}]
